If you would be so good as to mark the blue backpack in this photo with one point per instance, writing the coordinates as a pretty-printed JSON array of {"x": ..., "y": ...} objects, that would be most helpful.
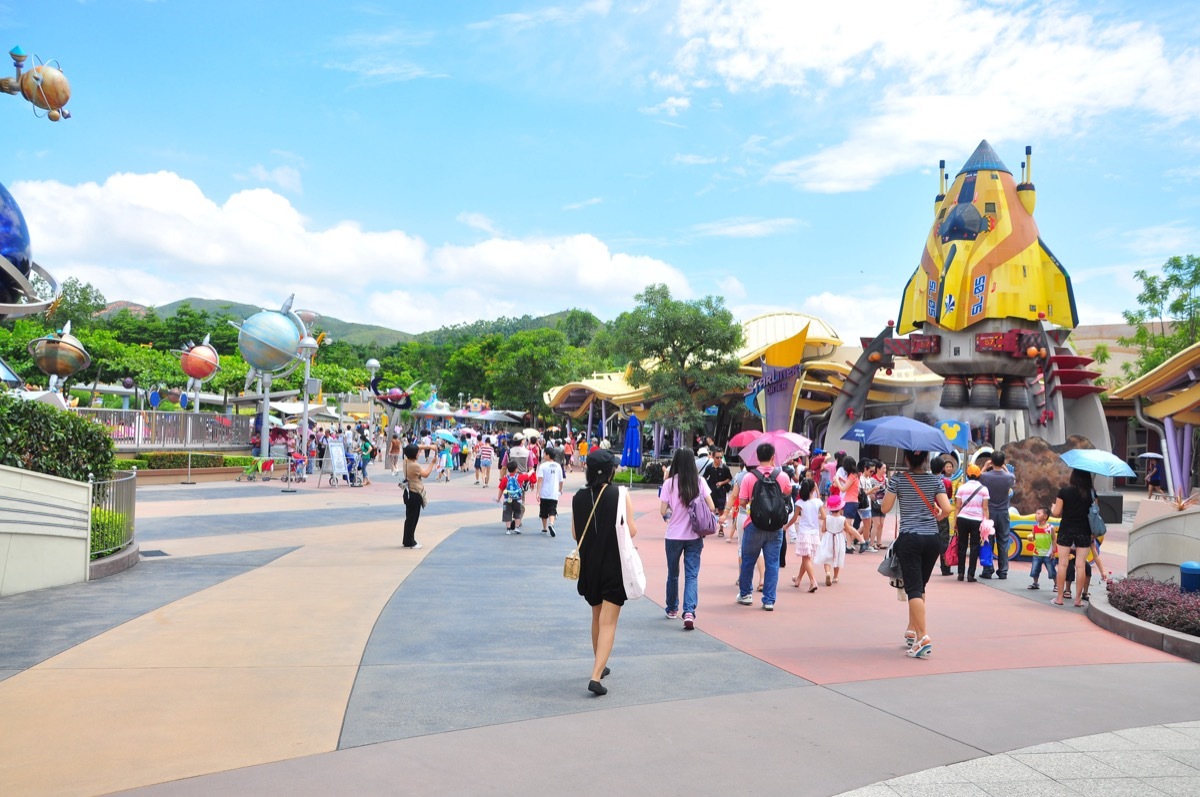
[{"x": 512, "y": 490}]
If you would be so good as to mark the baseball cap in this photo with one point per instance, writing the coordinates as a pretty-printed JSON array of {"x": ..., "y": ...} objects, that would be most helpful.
[
  {"x": 973, "y": 470},
  {"x": 702, "y": 452},
  {"x": 835, "y": 502}
]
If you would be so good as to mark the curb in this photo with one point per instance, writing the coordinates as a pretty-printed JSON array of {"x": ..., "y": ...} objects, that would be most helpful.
[
  {"x": 1102, "y": 614},
  {"x": 117, "y": 563}
]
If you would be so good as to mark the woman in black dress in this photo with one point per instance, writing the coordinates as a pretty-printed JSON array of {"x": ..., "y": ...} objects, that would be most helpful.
[
  {"x": 600, "y": 582},
  {"x": 1072, "y": 505}
]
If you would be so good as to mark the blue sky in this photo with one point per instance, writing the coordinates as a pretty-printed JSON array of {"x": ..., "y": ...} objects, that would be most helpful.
[{"x": 416, "y": 164}]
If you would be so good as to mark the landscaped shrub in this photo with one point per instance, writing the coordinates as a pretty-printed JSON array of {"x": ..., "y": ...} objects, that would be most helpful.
[
  {"x": 108, "y": 531},
  {"x": 38, "y": 437},
  {"x": 652, "y": 473},
  {"x": 238, "y": 461},
  {"x": 128, "y": 464},
  {"x": 1158, "y": 603},
  {"x": 162, "y": 460}
]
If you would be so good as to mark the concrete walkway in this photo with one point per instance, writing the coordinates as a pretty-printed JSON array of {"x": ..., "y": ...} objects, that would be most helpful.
[{"x": 276, "y": 643}]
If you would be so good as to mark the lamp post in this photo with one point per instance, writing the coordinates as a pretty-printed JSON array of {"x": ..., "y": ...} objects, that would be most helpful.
[
  {"x": 308, "y": 346},
  {"x": 372, "y": 368}
]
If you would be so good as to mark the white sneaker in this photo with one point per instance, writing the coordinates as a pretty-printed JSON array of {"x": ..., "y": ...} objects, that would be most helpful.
[
  {"x": 416, "y": 547},
  {"x": 746, "y": 600}
]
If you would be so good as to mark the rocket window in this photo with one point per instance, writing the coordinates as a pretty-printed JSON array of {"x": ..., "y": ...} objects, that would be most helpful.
[
  {"x": 942, "y": 215},
  {"x": 989, "y": 207}
]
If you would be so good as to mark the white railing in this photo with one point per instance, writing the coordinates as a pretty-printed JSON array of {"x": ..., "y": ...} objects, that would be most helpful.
[{"x": 137, "y": 430}]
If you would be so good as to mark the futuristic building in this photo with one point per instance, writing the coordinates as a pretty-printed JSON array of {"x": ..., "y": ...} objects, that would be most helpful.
[{"x": 989, "y": 308}]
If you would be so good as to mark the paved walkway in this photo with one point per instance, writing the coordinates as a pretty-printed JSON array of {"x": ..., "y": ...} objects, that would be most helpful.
[{"x": 285, "y": 643}]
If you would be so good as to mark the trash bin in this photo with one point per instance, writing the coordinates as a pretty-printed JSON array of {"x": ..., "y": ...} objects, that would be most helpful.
[
  {"x": 1112, "y": 507},
  {"x": 1189, "y": 577}
]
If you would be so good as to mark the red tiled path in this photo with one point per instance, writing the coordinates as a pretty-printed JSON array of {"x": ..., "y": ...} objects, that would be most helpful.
[{"x": 975, "y": 627}]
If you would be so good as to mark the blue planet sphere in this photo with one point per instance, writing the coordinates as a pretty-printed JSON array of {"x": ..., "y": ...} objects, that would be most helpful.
[
  {"x": 14, "y": 245},
  {"x": 268, "y": 340}
]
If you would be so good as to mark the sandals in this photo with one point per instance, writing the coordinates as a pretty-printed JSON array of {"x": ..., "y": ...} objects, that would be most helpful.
[
  {"x": 921, "y": 649},
  {"x": 910, "y": 639},
  {"x": 812, "y": 589}
]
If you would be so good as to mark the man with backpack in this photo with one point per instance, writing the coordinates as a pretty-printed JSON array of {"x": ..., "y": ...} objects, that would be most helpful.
[{"x": 767, "y": 490}]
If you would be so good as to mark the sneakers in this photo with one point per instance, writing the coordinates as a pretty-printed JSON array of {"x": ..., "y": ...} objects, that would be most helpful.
[
  {"x": 985, "y": 574},
  {"x": 689, "y": 621},
  {"x": 672, "y": 614},
  {"x": 508, "y": 531},
  {"x": 414, "y": 547},
  {"x": 551, "y": 529},
  {"x": 922, "y": 649},
  {"x": 768, "y": 607},
  {"x": 745, "y": 600}
]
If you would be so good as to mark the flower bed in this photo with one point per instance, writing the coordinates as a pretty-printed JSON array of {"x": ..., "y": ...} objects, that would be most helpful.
[{"x": 1156, "y": 602}]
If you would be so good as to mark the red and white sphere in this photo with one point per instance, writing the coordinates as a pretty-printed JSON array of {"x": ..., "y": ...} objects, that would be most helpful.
[{"x": 200, "y": 362}]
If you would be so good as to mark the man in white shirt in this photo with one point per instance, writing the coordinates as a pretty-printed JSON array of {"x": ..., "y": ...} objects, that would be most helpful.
[{"x": 549, "y": 486}]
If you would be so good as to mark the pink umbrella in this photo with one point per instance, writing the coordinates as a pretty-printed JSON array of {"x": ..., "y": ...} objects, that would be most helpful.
[
  {"x": 745, "y": 438},
  {"x": 786, "y": 444}
]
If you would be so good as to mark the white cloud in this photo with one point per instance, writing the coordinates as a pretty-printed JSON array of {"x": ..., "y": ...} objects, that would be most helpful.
[
  {"x": 380, "y": 57},
  {"x": 477, "y": 221},
  {"x": 1034, "y": 69},
  {"x": 694, "y": 160},
  {"x": 587, "y": 203},
  {"x": 671, "y": 106},
  {"x": 853, "y": 315},
  {"x": 1163, "y": 240},
  {"x": 743, "y": 227},
  {"x": 286, "y": 177},
  {"x": 731, "y": 287},
  {"x": 156, "y": 238},
  {"x": 551, "y": 15}
]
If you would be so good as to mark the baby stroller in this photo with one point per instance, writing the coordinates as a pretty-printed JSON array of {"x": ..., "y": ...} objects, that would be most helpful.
[
  {"x": 259, "y": 468},
  {"x": 297, "y": 465},
  {"x": 353, "y": 473}
]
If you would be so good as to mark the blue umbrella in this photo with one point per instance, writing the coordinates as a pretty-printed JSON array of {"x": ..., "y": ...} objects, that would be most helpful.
[
  {"x": 899, "y": 432},
  {"x": 631, "y": 452},
  {"x": 1093, "y": 460},
  {"x": 443, "y": 434}
]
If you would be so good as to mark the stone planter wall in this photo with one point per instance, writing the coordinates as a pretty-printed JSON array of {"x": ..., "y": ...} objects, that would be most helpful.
[
  {"x": 45, "y": 526},
  {"x": 1159, "y": 544}
]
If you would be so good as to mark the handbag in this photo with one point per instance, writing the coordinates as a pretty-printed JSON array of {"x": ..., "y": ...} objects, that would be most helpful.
[
  {"x": 987, "y": 527},
  {"x": 951, "y": 555},
  {"x": 632, "y": 573},
  {"x": 571, "y": 564},
  {"x": 702, "y": 520},
  {"x": 1096, "y": 523}
]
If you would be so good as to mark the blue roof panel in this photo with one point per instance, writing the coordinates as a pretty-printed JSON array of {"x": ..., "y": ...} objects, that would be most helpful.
[{"x": 984, "y": 158}]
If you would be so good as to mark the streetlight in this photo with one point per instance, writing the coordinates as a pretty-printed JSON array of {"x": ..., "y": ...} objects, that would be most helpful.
[
  {"x": 373, "y": 368},
  {"x": 307, "y": 347}
]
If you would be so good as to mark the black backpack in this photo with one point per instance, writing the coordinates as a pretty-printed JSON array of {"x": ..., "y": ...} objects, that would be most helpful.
[{"x": 770, "y": 509}]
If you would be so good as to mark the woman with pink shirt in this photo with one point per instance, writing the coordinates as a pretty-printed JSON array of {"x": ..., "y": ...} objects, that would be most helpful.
[{"x": 678, "y": 492}]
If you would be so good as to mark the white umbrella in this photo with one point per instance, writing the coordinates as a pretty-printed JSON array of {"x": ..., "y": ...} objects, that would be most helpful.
[
  {"x": 531, "y": 433},
  {"x": 1149, "y": 455}
]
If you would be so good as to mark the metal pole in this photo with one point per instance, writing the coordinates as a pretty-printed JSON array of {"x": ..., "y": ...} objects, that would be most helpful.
[
  {"x": 189, "y": 473},
  {"x": 304, "y": 415}
]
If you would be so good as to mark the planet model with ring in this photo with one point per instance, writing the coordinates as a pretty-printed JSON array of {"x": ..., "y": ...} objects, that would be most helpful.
[{"x": 269, "y": 340}]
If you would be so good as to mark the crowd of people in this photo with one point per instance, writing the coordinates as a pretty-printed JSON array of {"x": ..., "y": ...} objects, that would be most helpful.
[{"x": 825, "y": 507}]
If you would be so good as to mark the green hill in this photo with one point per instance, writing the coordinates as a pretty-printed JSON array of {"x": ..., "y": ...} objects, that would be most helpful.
[{"x": 338, "y": 330}]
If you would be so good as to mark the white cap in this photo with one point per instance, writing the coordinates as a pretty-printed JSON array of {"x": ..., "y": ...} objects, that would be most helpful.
[{"x": 703, "y": 452}]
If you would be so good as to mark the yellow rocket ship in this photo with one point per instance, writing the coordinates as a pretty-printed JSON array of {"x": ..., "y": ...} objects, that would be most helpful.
[{"x": 983, "y": 258}]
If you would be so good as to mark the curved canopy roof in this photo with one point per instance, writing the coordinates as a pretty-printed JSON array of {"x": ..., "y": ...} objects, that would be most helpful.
[
  {"x": 763, "y": 331},
  {"x": 1171, "y": 389}
]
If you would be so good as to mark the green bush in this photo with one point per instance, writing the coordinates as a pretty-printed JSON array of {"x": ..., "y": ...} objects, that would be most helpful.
[
  {"x": 127, "y": 464},
  {"x": 108, "y": 531},
  {"x": 163, "y": 460},
  {"x": 238, "y": 462},
  {"x": 38, "y": 437}
]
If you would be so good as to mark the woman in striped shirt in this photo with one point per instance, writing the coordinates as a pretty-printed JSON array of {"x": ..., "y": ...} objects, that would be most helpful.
[
  {"x": 484, "y": 459},
  {"x": 923, "y": 501}
]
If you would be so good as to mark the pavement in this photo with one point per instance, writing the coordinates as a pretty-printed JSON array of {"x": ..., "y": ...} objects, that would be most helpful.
[{"x": 285, "y": 643}]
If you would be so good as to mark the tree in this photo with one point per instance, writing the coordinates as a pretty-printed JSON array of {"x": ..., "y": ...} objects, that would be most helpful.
[
  {"x": 527, "y": 364},
  {"x": 1167, "y": 319},
  {"x": 78, "y": 302},
  {"x": 683, "y": 351},
  {"x": 466, "y": 371},
  {"x": 579, "y": 326}
]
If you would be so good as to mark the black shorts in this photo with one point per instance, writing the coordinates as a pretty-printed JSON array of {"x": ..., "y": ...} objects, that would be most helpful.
[
  {"x": 918, "y": 553},
  {"x": 547, "y": 507},
  {"x": 1074, "y": 538},
  {"x": 513, "y": 510}
]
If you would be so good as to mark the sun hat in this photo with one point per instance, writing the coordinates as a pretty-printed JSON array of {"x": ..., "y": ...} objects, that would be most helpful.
[
  {"x": 835, "y": 502},
  {"x": 703, "y": 452}
]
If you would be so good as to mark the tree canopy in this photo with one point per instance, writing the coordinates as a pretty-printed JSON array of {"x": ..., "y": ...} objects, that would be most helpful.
[
  {"x": 1167, "y": 318},
  {"x": 685, "y": 351}
]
